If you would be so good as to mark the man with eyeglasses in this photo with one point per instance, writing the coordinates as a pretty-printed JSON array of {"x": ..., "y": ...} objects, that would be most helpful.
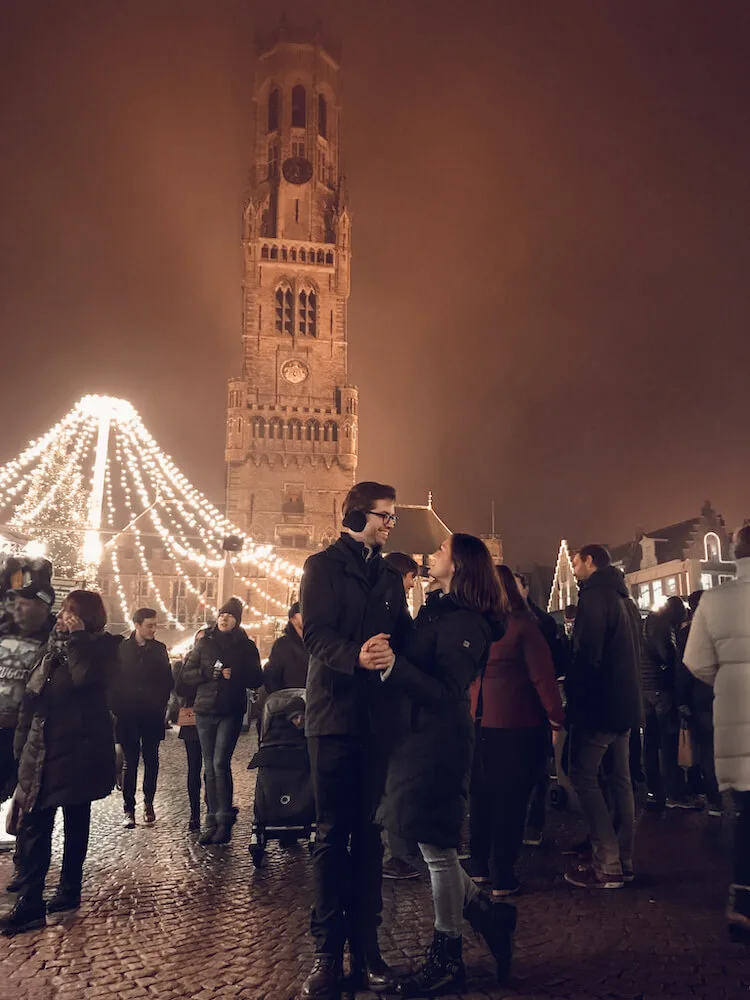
[{"x": 350, "y": 596}]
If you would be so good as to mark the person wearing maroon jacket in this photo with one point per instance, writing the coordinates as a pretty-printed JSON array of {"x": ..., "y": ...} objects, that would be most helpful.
[{"x": 515, "y": 701}]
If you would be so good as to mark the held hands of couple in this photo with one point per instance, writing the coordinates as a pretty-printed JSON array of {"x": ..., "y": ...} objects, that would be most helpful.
[{"x": 376, "y": 653}]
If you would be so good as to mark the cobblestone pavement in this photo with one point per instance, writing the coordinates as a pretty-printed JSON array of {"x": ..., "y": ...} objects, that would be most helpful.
[{"x": 163, "y": 918}]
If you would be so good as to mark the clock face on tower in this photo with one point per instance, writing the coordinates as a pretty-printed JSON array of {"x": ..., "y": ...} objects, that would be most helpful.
[
  {"x": 295, "y": 371},
  {"x": 297, "y": 170}
]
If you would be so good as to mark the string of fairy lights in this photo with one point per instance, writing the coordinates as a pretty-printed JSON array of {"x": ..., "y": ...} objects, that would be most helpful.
[{"x": 141, "y": 495}]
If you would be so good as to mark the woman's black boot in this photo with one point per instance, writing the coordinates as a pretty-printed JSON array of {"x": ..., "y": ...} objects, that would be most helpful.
[
  {"x": 443, "y": 970},
  {"x": 495, "y": 922}
]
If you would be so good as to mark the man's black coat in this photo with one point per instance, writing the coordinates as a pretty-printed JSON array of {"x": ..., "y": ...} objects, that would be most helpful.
[{"x": 346, "y": 599}]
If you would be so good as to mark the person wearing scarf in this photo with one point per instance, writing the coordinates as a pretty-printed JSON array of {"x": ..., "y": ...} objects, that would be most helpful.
[
  {"x": 222, "y": 665},
  {"x": 65, "y": 750}
]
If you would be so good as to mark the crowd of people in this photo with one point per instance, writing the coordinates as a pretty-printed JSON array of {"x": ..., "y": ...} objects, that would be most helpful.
[{"x": 413, "y": 727}]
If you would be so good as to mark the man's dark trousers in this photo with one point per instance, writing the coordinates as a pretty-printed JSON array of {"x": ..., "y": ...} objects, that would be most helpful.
[
  {"x": 139, "y": 736},
  {"x": 348, "y": 780}
]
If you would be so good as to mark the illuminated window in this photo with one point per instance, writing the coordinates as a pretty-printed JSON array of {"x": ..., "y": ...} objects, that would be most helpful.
[
  {"x": 322, "y": 116},
  {"x": 712, "y": 547},
  {"x": 707, "y": 581},
  {"x": 284, "y": 309},
  {"x": 299, "y": 106},
  {"x": 308, "y": 315},
  {"x": 670, "y": 586},
  {"x": 274, "y": 107},
  {"x": 644, "y": 596}
]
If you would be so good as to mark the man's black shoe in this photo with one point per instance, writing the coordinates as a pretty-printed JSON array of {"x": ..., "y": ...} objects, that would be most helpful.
[
  {"x": 15, "y": 883},
  {"x": 324, "y": 980},
  {"x": 372, "y": 973},
  {"x": 25, "y": 916},
  {"x": 64, "y": 899}
]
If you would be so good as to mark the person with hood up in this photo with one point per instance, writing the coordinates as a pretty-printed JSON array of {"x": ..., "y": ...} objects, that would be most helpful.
[
  {"x": 428, "y": 775},
  {"x": 222, "y": 665},
  {"x": 603, "y": 705},
  {"x": 66, "y": 755},
  {"x": 718, "y": 653}
]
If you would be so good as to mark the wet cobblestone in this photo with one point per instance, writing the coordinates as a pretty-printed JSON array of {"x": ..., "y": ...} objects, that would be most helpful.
[{"x": 165, "y": 919}]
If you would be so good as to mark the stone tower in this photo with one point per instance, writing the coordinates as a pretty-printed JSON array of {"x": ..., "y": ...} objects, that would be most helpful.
[{"x": 291, "y": 444}]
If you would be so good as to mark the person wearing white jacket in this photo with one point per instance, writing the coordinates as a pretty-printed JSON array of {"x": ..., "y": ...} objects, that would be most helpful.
[{"x": 718, "y": 652}]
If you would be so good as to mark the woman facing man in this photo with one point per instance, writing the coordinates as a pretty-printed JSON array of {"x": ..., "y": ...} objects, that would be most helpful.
[{"x": 428, "y": 775}]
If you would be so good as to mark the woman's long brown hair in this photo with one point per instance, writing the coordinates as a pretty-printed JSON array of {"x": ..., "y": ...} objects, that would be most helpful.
[{"x": 475, "y": 584}]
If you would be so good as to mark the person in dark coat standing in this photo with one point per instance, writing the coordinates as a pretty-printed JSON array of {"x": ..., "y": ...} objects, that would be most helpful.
[
  {"x": 66, "y": 757},
  {"x": 660, "y": 661},
  {"x": 516, "y": 703},
  {"x": 144, "y": 686},
  {"x": 428, "y": 775},
  {"x": 288, "y": 659},
  {"x": 222, "y": 665},
  {"x": 603, "y": 705},
  {"x": 350, "y": 597},
  {"x": 188, "y": 733}
]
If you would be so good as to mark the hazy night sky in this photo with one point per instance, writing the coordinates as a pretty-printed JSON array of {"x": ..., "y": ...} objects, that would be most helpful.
[{"x": 551, "y": 243}]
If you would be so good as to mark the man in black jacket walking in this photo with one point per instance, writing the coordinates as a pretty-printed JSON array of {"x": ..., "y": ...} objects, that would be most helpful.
[
  {"x": 604, "y": 703},
  {"x": 141, "y": 698},
  {"x": 288, "y": 659},
  {"x": 349, "y": 595}
]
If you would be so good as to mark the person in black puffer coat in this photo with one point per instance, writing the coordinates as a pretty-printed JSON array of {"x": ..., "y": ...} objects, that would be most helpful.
[
  {"x": 222, "y": 665},
  {"x": 427, "y": 785},
  {"x": 65, "y": 749}
]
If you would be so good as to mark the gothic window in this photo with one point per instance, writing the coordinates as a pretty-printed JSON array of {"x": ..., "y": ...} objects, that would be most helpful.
[
  {"x": 321, "y": 256},
  {"x": 295, "y": 430},
  {"x": 329, "y": 258},
  {"x": 284, "y": 254},
  {"x": 274, "y": 253},
  {"x": 299, "y": 106},
  {"x": 259, "y": 427},
  {"x": 322, "y": 116},
  {"x": 322, "y": 165},
  {"x": 274, "y": 107},
  {"x": 284, "y": 309},
  {"x": 294, "y": 254},
  {"x": 298, "y": 149},
  {"x": 312, "y": 430},
  {"x": 264, "y": 253},
  {"x": 276, "y": 429},
  {"x": 308, "y": 314},
  {"x": 272, "y": 159},
  {"x": 238, "y": 425},
  {"x": 303, "y": 256},
  {"x": 330, "y": 431}
]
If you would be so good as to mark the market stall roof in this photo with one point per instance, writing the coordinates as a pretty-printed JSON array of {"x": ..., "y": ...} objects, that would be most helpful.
[{"x": 419, "y": 530}]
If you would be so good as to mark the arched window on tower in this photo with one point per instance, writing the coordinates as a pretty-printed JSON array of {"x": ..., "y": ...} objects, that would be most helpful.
[
  {"x": 295, "y": 430},
  {"x": 308, "y": 313},
  {"x": 259, "y": 427},
  {"x": 284, "y": 309},
  {"x": 322, "y": 116},
  {"x": 330, "y": 431},
  {"x": 274, "y": 108},
  {"x": 312, "y": 430},
  {"x": 299, "y": 106},
  {"x": 276, "y": 429}
]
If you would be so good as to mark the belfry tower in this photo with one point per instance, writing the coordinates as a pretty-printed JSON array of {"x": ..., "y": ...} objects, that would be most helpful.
[{"x": 291, "y": 445}]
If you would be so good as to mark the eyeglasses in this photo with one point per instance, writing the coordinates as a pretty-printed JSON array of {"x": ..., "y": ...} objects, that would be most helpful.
[{"x": 389, "y": 520}]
